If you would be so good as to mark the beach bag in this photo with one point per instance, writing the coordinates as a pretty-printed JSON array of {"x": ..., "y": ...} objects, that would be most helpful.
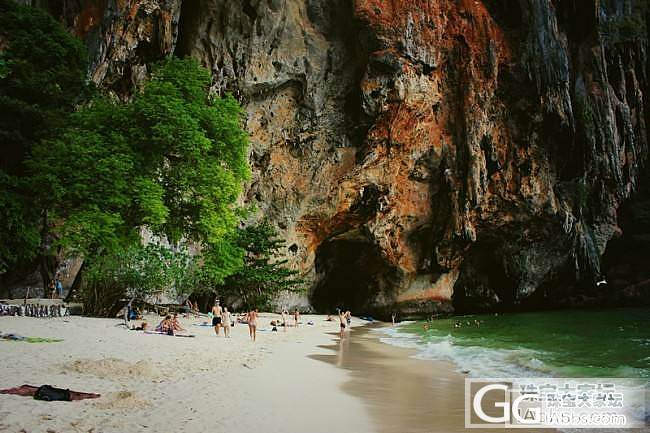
[{"x": 50, "y": 393}]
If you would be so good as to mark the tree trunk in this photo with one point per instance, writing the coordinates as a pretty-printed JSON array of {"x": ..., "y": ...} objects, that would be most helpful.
[
  {"x": 76, "y": 284},
  {"x": 48, "y": 263}
]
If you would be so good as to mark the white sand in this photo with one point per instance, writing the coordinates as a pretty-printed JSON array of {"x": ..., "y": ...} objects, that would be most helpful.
[{"x": 157, "y": 383}]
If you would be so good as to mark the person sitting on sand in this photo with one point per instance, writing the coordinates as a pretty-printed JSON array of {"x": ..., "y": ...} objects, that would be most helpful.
[
  {"x": 176, "y": 324},
  {"x": 225, "y": 322},
  {"x": 166, "y": 326},
  {"x": 328, "y": 318}
]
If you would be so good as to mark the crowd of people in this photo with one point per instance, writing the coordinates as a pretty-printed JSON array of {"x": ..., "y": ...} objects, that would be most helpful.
[
  {"x": 34, "y": 310},
  {"x": 223, "y": 319}
]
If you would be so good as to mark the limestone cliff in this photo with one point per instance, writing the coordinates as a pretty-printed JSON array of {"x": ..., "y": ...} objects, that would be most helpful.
[{"x": 418, "y": 154}]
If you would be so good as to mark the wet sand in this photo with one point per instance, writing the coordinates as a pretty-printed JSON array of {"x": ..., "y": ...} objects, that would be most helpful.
[{"x": 402, "y": 394}]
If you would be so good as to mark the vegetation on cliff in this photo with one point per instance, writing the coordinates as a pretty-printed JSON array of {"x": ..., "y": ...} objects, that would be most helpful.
[
  {"x": 262, "y": 276},
  {"x": 42, "y": 78},
  {"x": 129, "y": 186}
]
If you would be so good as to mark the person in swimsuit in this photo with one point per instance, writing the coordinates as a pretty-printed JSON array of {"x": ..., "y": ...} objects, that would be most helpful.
[
  {"x": 176, "y": 324},
  {"x": 166, "y": 326},
  {"x": 52, "y": 289},
  {"x": 296, "y": 317},
  {"x": 285, "y": 313},
  {"x": 225, "y": 321},
  {"x": 342, "y": 320},
  {"x": 251, "y": 318},
  {"x": 348, "y": 319},
  {"x": 216, "y": 316}
]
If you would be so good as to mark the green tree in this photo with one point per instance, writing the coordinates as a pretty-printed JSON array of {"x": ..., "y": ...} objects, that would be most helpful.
[
  {"x": 263, "y": 275},
  {"x": 171, "y": 161},
  {"x": 136, "y": 272},
  {"x": 174, "y": 160},
  {"x": 42, "y": 78}
]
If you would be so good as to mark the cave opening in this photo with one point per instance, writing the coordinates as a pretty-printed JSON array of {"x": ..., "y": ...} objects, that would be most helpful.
[
  {"x": 353, "y": 275},
  {"x": 484, "y": 283},
  {"x": 188, "y": 23}
]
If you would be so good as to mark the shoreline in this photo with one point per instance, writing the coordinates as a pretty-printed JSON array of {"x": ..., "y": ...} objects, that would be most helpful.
[{"x": 401, "y": 393}]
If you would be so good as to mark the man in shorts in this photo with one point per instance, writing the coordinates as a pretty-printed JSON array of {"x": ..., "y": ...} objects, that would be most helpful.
[{"x": 216, "y": 316}]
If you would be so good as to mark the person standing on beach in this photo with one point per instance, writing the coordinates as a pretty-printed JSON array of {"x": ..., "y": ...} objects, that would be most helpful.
[
  {"x": 342, "y": 319},
  {"x": 296, "y": 317},
  {"x": 225, "y": 321},
  {"x": 393, "y": 317},
  {"x": 251, "y": 318},
  {"x": 285, "y": 313},
  {"x": 216, "y": 316},
  {"x": 59, "y": 287},
  {"x": 52, "y": 289}
]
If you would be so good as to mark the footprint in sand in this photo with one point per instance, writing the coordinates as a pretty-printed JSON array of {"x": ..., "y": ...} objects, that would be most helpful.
[
  {"x": 121, "y": 400},
  {"x": 113, "y": 369}
]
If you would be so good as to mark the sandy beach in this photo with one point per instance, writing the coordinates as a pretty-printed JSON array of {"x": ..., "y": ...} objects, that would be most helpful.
[
  {"x": 301, "y": 379},
  {"x": 157, "y": 383}
]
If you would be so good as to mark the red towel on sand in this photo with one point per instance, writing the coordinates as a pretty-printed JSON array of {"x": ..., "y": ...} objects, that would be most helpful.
[{"x": 30, "y": 390}]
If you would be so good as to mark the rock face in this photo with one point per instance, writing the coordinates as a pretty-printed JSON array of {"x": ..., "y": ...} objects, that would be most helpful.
[{"x": 418, "y": 155}]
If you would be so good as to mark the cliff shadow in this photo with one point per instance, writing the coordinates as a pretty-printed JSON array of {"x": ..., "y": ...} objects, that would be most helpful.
[{"x": 354, "y": 276}]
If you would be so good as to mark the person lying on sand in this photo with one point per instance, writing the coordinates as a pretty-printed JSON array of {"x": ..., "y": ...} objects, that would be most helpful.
[{"x": 143, "y": 327}]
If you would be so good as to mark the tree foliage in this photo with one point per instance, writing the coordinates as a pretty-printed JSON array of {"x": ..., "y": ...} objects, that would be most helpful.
[
  {"x": 138, "y": 272},
  {"x": 42, "y": 78},
  {"x": 172, "y": 160},
  {"x": 263, "y": 275}
]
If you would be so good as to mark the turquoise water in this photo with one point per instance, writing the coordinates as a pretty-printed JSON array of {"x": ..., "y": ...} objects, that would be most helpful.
[{"x": 614, "y": 343}]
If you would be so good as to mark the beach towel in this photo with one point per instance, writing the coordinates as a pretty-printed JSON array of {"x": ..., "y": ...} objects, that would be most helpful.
[
  {"x": 16, "y": 337},
  {"x": 202, "y": 324},
  {"x": 30, "y": 391},
  {"x": 174, "y": 335}
]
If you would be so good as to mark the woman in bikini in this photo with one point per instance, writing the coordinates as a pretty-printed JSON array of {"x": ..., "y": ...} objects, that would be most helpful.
[
  {"x": 225, "y": 322},
  {"x": 251, "y": 318}
]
